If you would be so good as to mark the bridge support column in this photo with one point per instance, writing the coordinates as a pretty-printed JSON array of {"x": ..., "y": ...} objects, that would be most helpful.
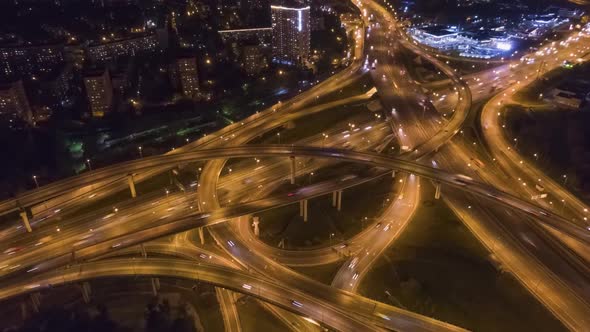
[
  {"x": 339, "y": 200},
  {"x": 86, "y": 291},
  {"x": 25, "y": 218},
  {"x": 437, "y": 192},
  {"x": 255, "y": 223},
  {"x": 303, "y": 209},
  {"x": 201, "y": 235},
  {"x": 143, "y": 252},
  {"x": 24, "y": 312},
  {"x": 131, "y": 182},
  {"x": 293, "y": 169},
  {"x": 155, "y": 286},
  {"x": 392, "y": 174},
  {"x": 35, "y": 301}
]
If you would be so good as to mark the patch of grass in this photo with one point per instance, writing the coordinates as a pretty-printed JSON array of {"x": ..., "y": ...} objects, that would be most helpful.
[
  {"x": 439, "y": 269},
  {"x": 358, "y": 209},
  {"x": 530, "y": 93},
  {"x": 315, "y": 124},
  {"x": 559, "y": 139},
  {"x": 360, "y": 85},
  {"x": 322, "y": 273},
  {"x": 253, "y": 317}
]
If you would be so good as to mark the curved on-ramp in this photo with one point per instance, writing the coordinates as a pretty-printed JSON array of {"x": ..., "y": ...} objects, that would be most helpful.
[{"x": 242, "y": 282}]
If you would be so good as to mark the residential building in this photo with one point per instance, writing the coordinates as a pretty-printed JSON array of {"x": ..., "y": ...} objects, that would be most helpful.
[
  {"x": 188, "y": 76},
  {"x": 108, "y": 50},
  {"x": 99, "y": 91},
  {"x": 14, "y": 102},
  {"x": 253, "y": 59},
  {"x": 290, "y": 34}
]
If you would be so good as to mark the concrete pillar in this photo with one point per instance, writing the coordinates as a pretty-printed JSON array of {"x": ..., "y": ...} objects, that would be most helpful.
[
  {"x": 131, "y": 182},
  {"x": 86, "y": 291},
  {"x": 339, "y": 203},
  {"x": 301, "y": 208},
  {"x": 35, "y": 301},
  {"x": 201, "y": 235},
  {"x": 305, "y": 210},
  {"x": 155, "y": 286},
  {"x": 334, "y": 198},
  {"x": 437, "y": 192},
  {"x": 24, "y": 312},
  {"x": 293, "y": 169},
  {"x": 143, "y": 252},
  {"x": 255, "y": 223},
  {"x": 157, "y": 281},
  {"x": 25, "y": 218}
]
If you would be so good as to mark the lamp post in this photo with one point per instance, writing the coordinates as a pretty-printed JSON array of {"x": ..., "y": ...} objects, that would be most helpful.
[
  {"x": 89, "y": 164},
  {"x": 35, "y": 179},
  {"x": 140, "y": 152}
]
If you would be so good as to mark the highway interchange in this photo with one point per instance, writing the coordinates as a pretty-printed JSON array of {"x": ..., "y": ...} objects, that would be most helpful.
[{"x": 542, "y": 246}]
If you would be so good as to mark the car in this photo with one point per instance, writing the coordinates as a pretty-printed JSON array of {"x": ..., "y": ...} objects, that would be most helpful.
[
  {"x": 13, "y": 250},
  {"x": 296, "y": 304},
  {"x": 353, "y": 263},
  {"x": 291, "y": 194},
  {"x": 378, "y": 225}
]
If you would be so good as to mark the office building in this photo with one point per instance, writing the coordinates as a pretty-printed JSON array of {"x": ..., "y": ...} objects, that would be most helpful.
[
  {"x": 290, "y": 34},
  {"x": 99, "y": 91}
]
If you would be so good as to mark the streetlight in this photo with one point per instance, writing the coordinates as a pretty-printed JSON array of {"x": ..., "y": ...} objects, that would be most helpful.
[
  {"x": 564, "y": 179},
  {"x": 324, "y": 142},
  {"x": 35, "y": 179},
  {"x": 89, "y": 164},
  {"x": 279, "y": 135},
  {"x": 140, "y": 152},
  {"x": 331, "y": 236}
]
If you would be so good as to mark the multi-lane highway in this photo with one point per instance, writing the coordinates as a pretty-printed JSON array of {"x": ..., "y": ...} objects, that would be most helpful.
[{"x": 518, "y": 241}]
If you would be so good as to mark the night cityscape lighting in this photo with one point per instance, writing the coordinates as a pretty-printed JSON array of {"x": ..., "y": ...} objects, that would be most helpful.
[{"x": 294, "y": 165}]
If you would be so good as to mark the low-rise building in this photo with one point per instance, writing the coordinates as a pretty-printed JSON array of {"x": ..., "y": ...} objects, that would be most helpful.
[
  {"x": 108, "y": 50},
  {"x": 14, "y": 102},
  {"x": 253, "y": 59}
]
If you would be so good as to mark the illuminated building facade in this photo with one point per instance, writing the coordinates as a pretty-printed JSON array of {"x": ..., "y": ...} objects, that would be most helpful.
[
  {"x": 188, "y": 76},
  {"x": 99, "y": 91},
  {"x": 126, "y": 47},
  {"x": 290, "y": 34},
  {"x": 30, "y": 59},
  {"x": 14, "y": 102}
]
